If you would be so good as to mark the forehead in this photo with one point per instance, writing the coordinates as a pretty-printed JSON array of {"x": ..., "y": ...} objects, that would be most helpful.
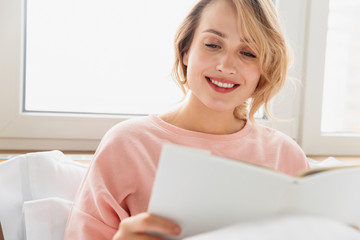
[{"x": 221, "y": 15}]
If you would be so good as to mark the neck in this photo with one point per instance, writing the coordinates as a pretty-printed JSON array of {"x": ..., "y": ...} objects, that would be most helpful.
[{"x": 193, "y": 115}]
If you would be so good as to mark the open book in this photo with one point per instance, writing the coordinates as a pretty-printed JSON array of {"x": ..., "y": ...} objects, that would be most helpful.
[
  {"x": 285, "y": 227},
  {"x": 203, "y": 192}
]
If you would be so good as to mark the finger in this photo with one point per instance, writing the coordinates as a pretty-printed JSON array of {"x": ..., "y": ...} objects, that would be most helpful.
[
  {"x": 148, "y": 237},
  {"x": 146, "y": 222},
  {"x": 355, "y": 227}
]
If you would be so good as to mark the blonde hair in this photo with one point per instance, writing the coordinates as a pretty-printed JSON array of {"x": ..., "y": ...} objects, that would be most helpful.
[{"x": 258, "y": 20}]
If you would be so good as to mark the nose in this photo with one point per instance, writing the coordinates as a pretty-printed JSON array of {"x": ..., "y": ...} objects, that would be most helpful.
[{"x": 226, "y": 64}]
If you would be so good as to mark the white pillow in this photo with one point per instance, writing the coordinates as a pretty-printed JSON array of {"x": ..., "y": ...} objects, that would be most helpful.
[
  {"x": 11, "y": 199},
  {"x": 35, "y": 176},
  {"x": 46, "y": 218},
  {"x": 54, "y": 175}
]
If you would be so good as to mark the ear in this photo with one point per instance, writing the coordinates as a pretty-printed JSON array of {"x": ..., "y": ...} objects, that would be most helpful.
[{"x": 185, "y": 59}]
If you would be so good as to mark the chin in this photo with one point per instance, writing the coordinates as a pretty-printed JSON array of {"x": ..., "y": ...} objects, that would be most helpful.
[{"x": 221, "y": 107}]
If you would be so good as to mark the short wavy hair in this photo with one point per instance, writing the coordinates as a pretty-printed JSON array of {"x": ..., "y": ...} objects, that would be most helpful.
[{"x": 259, "y": 21}]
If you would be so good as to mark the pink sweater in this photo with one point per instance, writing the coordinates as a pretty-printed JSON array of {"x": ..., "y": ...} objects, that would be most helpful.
[{"x": 120, "y": 178}]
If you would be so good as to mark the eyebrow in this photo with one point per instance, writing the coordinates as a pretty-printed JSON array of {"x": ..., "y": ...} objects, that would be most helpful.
[
  {"x": 223, "y": 35},
  {"x": 220, "y": 34}
]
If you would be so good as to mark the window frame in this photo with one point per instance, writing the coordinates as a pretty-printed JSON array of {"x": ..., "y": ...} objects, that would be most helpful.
[
  {"x": 21, "y": 130},
  {"x": 312, "y": 140}
]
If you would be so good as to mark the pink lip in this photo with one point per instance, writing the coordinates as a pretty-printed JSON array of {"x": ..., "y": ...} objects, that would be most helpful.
[{"x": 221, "y": 89}]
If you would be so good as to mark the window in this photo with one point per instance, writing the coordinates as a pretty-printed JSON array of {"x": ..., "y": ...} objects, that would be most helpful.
[
  {"x": 37, "y": 125},
  {"x": 331, "y": 117},
  {"x": 341, "y": 101},
  {"x": 112, "y": 57},
  {"x": 28, "y": 121}
]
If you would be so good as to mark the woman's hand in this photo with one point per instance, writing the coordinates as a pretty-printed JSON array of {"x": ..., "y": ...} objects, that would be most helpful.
[{"x": 138, "y": 226}]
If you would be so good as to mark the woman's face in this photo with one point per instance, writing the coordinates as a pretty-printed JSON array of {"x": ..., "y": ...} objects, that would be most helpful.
[{"x": 222, "y": 71}]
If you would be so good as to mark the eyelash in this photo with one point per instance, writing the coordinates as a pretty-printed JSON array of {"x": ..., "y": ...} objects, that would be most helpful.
[
  {"x": 214, "y": 46},
  {"x": 247, "y": 54},
  {"x": 210, "y": 45}
]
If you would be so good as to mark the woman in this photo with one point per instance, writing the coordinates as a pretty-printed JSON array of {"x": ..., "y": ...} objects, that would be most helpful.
[{"x": 228, "y": 53}]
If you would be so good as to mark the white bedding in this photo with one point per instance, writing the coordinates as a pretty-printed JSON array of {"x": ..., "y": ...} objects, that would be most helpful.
[
  {"x": 37, "y": 190},
  {"x": 39, "y": 187},
  {"x": 287, "y": 227}
]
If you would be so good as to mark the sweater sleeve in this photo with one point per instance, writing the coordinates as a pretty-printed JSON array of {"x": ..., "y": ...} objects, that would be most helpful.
[{"x": 101, "y": 201}]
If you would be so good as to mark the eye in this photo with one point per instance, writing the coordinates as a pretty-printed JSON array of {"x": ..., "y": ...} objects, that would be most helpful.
[
  {"x": 247, "y": 54},
  {"x": 211, "y": 45}
]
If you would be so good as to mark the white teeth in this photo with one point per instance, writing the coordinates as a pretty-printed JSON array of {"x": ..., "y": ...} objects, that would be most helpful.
[{"x": 223, "y": 85}]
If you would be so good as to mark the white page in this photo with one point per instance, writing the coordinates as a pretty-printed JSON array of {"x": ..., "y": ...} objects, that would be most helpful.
[
  {"x": 333, "y": 193},
  {"x": 202, "y": 192}
]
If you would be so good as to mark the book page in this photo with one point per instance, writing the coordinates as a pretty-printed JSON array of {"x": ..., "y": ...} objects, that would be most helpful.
[
  {"x": 312, "y": 171},
  {"x": 334, "y": 194},
  {"x": 202, "y": 192}
]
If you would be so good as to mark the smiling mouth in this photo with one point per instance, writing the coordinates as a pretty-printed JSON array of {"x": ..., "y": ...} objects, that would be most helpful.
[{"x": 222, "y": 84}]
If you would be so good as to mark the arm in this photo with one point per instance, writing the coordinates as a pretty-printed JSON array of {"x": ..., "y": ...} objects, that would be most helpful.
[{"x": 116, "y": 190}]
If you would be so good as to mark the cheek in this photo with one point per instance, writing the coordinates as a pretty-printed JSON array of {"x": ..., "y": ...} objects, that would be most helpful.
[
  {"x": 252, "y": 76},
  {"x": 196, "y": 66},
  {"x": 195, "y": 62},
  {"x": 198, "y": 59}
]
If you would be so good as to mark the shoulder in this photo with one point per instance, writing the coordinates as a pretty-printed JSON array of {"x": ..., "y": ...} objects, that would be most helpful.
[
  {"x": 132, "y": 124},
  {"x": 126, "y": 146},
  {"x": 272, "y": 136},
  {"x": 285, "y": 151},
  {"x": 129, "y": 128},
  {"x": 124, "y": 138}
]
